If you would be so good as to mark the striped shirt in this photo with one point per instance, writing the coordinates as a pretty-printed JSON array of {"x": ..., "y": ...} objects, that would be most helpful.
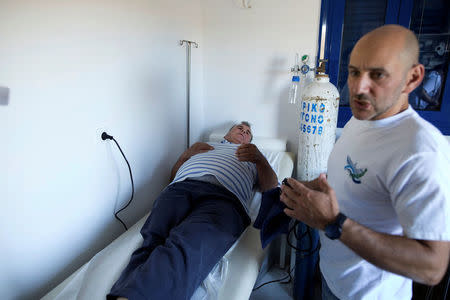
[{"x": 236, "y": 176}]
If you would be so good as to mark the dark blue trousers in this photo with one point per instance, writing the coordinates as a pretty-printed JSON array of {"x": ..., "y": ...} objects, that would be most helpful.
[{"x": 191, "y": 226}]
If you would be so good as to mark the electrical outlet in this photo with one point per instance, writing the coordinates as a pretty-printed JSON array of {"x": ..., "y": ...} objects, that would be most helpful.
[
  {"x": 4, "y": 95},
  {"x": 98, "y": 134}
]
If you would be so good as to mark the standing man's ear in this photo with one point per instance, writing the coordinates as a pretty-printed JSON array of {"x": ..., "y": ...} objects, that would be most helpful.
[{"x": 414, "y": 78}]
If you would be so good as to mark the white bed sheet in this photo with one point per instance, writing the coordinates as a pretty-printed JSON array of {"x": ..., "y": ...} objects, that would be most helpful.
[{"x": 232, "y": 278}]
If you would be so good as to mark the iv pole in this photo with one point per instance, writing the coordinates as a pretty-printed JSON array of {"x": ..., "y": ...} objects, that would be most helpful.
[{"x": 188, "y": 85}]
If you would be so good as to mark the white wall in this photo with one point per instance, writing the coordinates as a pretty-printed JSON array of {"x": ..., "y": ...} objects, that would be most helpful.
[
  {"x": 74, "y": 68},
  {"x": 248, "y": 56}
]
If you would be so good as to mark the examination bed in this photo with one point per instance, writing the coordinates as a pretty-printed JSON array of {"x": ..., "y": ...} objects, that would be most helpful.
[{"x": 234, "y": 275}]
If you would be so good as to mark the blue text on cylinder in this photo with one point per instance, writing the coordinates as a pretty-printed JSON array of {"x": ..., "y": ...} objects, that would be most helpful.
[{"x": 312, "y": 117}]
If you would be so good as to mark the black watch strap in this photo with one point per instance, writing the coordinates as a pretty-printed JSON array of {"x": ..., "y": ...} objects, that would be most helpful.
[{"x": 334, "y": 229}]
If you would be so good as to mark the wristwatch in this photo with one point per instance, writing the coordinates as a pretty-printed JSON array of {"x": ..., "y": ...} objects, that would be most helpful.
[{"x": 334, "y": 229}]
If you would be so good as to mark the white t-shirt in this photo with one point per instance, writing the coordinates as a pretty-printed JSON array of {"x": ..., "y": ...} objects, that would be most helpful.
[{"x": 393, "y": 176}]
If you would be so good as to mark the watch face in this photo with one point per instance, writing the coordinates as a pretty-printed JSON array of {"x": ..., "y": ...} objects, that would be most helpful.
[{"x": 332, "y": 231}]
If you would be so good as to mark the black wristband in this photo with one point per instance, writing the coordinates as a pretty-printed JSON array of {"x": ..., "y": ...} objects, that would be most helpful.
[{"x": 334, "y": 229}]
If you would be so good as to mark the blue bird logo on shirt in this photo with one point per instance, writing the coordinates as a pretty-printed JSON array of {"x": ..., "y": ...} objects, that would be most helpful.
[{"x": 353, "y": 171}]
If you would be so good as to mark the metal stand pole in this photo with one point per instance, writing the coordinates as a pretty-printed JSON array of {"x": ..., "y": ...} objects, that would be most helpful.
[{"x": 188, "y": 86}]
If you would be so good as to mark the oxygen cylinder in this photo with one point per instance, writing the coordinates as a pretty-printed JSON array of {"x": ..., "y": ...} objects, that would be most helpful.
[{"x": 318, "y": 119}]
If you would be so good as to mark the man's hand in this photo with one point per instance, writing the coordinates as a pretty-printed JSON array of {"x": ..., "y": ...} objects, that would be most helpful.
[
  {"x": 267, "y": 179},
  {"x": 191, "y": 151},
  {"x": 314, "y": 203},
  {"x": 197, "y": 148},
  {"x": 314, "y": 184},
  {"x": 249, "y": 152}
]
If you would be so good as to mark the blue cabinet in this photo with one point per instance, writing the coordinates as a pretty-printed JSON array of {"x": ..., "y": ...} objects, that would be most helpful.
[{"x": 343, "y": 22}]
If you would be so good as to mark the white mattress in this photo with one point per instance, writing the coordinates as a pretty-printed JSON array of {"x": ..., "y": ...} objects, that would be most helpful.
[{"x": 233, "y": 277}]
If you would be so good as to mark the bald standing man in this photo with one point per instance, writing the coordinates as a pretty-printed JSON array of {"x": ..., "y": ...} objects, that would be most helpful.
[{"x": 383, "y": 210}]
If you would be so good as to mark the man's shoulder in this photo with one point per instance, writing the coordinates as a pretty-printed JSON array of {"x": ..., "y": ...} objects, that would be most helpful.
[
  {"x": 422, "y": 136},
  {"x": 406, "y": 138}
]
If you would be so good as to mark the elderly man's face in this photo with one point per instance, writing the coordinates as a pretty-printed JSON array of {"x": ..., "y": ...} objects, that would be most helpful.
[
  {"x": 239, "y": 134},
  {"x": 376, "y": 79}
]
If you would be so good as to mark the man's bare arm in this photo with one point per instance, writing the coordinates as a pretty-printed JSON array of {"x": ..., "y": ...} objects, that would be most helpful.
[
  {"x": 423, "y": 261},
  {"x": 267, "y": 179},
  {"x": 191, "y": 151}
]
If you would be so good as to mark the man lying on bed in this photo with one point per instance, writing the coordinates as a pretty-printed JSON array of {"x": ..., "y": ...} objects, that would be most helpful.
[{"x": 197, "y": 218}]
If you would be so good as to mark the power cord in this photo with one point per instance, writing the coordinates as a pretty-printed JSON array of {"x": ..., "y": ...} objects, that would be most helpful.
[
  {"x": 289, "y": 275},
  {"x": 307, "y": 252},
  {"x": 106, "y": 136}
]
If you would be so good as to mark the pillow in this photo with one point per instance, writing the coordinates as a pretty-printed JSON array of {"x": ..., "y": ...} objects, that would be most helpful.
[{"x": 265, "y": 143}]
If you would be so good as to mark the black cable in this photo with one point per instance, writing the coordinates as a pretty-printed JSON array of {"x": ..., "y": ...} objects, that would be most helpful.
[
  {"x": 289, "y": 275},
  {"x": 109, "y": 137},
  {"x": 295, "y": 231},
  {"x": 308, "y": 251}
]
